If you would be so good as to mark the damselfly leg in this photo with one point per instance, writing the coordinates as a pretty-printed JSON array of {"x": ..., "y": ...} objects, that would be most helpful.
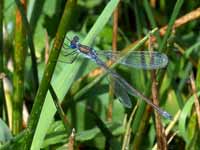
[{"x": 69, "y": 57}]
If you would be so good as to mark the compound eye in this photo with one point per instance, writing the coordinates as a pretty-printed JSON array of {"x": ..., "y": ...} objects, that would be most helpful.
[{"x": 76, "y": 38}]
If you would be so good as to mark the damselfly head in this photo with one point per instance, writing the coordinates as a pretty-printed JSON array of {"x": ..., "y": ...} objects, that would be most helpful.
[
  {"x": 75, "y": 38},
  {"x": 73, "y": 42}
]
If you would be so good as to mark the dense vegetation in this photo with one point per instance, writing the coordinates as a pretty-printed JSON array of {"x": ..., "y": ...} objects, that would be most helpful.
[{"x": 48, "y": 103}]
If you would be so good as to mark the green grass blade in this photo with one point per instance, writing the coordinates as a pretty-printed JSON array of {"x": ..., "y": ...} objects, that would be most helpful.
[
  {"x": 30, "y": 42},
  {"x": 183, "y": 117},
  {"x": 2, "y": 96},
  {"x": 151, "y": 19},
  {"x": 175, "y": 12},
  {"x": 42, "y": 91},
  {"x": 67, "y": 77},
  {"x": 18, "y": 75}
]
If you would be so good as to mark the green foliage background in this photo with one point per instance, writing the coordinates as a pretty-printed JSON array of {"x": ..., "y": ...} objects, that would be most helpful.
[{"x": 77, "y": 89}]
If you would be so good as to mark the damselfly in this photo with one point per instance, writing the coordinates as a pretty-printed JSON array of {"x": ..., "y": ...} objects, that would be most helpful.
[{"x": 137, "y": 59}]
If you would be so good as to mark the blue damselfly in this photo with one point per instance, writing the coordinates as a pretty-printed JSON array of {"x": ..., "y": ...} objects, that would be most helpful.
[{"x": 137, "y": 59}]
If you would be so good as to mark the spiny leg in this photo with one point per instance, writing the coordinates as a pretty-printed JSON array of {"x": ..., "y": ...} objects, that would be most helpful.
[
  {"x": 74, "y": 58},
  {"x": 71, "y": 61},
  {"x": 71, "y": 53}
]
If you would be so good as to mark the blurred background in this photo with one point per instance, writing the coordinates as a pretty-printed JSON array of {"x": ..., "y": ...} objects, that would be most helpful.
[{"x": 88, "y": 104}]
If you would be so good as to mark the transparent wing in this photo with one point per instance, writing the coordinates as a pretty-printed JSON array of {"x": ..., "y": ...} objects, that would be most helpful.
[
  {"x": 122, "y": 85},
  {"x": 132, "y": 91},
  {"x": 123, "y": 88},
  {"x": 120, "y": 93},
  {"x": 137, "y": 59}
]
